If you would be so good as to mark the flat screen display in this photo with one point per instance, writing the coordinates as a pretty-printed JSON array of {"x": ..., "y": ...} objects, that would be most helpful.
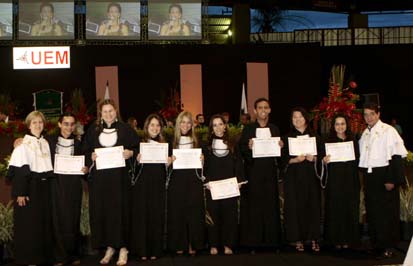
[
  {"x": 43, "y": 20},
  {"x": 113, "y": 20},
  {"x": 179, "y": 20},
  {"x": 6, "y": 20}
]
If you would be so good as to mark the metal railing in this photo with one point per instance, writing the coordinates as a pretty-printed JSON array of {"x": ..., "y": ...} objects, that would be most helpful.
[{"x": 340, "y": 37}]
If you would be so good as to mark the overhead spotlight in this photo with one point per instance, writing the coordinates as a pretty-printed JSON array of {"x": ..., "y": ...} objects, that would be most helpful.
[{"x": 229, "y": 33}]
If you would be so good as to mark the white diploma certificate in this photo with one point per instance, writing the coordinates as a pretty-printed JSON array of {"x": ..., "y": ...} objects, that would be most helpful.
[
  {"x": 108, "y": 158},
  {"x": 224, "y": 189},
  {"x": 154, "y": 152},
  {"x": 68, "y": 165},
  {"x": 187, "y": 158},
  {"x": 340, "y": 151},
  {"x": 266, "y": 147},
  {"x": 302, "y": 146}
]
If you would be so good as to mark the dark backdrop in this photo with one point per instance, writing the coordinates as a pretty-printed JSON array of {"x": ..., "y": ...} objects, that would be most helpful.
[{"x": 298, "y": 75}]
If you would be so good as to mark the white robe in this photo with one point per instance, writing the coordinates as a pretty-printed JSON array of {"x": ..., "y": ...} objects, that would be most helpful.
[{"x": 378, "y": 145}]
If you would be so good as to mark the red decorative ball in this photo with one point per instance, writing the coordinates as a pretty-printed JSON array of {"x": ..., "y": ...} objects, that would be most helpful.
[{"x": 353, "y": 84}]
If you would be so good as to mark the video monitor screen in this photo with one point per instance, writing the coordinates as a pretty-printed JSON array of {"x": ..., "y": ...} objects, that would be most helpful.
[
  {"x": 6, "y": 20},
  {"x": 41, "y": 20},
  {"x": 169, "y": 20},
  {"x": 113, "y": 20}
]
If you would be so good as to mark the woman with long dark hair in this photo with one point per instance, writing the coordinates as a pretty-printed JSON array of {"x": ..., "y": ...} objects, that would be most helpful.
[
  {"x": 148, "y": 197},
  {"x": 302, "y": 189},
  {"x": 342, "y": 190},
  {"x": 222, "y": 160}
]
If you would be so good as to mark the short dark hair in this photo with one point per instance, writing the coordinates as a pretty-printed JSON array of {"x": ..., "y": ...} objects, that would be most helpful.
[
  {"x": 66, "y": 114},
  {"x": 262, "y": 99},
  {"x": 177, "y": 6},
  {"x": 198, "y": 115},
  {"x": 372, "y": 106},
  {"x": 303, "y": 112},
  {"x": 115, "y": 5},
  {"x": 45, "y": 4}
]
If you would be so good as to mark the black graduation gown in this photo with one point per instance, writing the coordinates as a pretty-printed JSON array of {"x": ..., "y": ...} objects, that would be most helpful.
[
  {"x": 36, "y": 239},
  {"x": 224, "y": 212},
  {"x": 302, "y": 194},
  {"x": 109, "y": 191},
  {"x": 382, "y": 206},
  {"x": 260, "y": 207},
  {"x": 69, "y": 203},
  {"x": 185, "y": 210},
  {"x": 342, "y": 201},
  {"x": 148, "y": 211}
]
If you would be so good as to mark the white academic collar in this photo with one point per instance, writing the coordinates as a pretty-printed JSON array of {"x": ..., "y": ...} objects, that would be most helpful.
[{"x": 378, "y": 127}]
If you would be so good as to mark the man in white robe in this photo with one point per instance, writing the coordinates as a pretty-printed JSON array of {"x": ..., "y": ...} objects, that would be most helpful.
[{"x": 381, "y": 153}]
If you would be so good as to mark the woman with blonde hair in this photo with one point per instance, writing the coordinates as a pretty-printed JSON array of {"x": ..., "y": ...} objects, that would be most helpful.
[
  {"x": 108, "y": 188},
  {"x": 36, "y": 240},
  {"x": 186, "y": 212}
]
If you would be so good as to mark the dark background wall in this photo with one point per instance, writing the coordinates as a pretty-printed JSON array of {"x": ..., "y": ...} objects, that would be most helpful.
[{"x": 298, "y": 75}]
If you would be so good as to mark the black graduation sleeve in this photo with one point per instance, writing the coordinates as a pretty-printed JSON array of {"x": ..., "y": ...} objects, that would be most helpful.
[
  {"x": 395, "y": 173},
  {"x": 20, "y": 178}
]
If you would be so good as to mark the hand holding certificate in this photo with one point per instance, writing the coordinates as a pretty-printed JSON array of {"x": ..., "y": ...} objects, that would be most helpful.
[
  {"x": 266, "y": 147},
  {"x": 340, "y": 151},
  {"x": 187, "y": 158},
  {"x": 108, "y": 158},
  {"x": 154, "y": 153},
  {"x": 224, "y": 189},
  {"x": 68, "y": 165},
  {"x": 302, "y": 146}
]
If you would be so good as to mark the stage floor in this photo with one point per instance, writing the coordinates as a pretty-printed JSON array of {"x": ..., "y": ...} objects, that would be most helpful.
[{"x": 267, "y": 258}]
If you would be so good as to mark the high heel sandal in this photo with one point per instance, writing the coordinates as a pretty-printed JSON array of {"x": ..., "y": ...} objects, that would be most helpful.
[
  {"x": 299, "y": 247},
  {"x": 108, "y": 256},
  {"x": 123, "y": 257},
  {"x": 191, "y": 251},
  {"x": 314, "y": 246},
  {"x": 213, "y": 251}
]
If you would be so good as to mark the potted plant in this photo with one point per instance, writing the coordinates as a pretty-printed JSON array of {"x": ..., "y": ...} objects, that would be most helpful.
[
  {"x": 85, "y": 226},
  {"x": 6, "y": 229},
  {"x": 406, "y": 211}
]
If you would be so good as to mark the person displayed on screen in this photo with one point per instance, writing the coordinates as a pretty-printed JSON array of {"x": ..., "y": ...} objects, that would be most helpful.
[
  {"x": 175, "y": 25},
  {"x": 113, "y": 25},
  {"x": 47, "y": 25}
]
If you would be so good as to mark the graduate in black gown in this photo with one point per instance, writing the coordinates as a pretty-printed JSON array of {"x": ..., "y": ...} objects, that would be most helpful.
[
  {"x": 148, "y": 198},
  {"x": 36, "y": 238},
  {"x": 381, "y": 153},
  {"x": 342, "y": 191},
  {"x": 302, "y": 189},
  {"x": 260, "y": 207},
  {"x": 186, "y": 211},
  {"x": 222, "y": 160},
  {"x": 109, "y": 188},
  {"x": 69, "y": 196}
]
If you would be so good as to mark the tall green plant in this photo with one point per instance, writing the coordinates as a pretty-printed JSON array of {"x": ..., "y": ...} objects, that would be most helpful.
[{"x": 6, "y": 222}]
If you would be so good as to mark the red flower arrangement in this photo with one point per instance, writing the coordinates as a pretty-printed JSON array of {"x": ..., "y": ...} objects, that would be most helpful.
[
  {"x": 340, "y": 100},
  {"x": 78, "y": 107},
  {"x": 171, "y": 106}
]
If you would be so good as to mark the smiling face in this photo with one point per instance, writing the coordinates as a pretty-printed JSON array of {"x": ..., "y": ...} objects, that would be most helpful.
[
  {"x": 108, "y": 113},
  {"x": 154, "y": 128},
  {"x": 46, "y": 12},
  {"x": 340, "y": 126},
  {"x": 185, "y": 125},
  {"x": 218, "y": 127},
  {"x": 298, "y": 120},
  {"x": 371, "y": 117},
  {"x": 67, "y": 126},
  {"x": 175, "y": 13},
  {"x": 113, "y": 13},
  {"x": 262, "y": 110},
  {"x": 36, "y": 126}
]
